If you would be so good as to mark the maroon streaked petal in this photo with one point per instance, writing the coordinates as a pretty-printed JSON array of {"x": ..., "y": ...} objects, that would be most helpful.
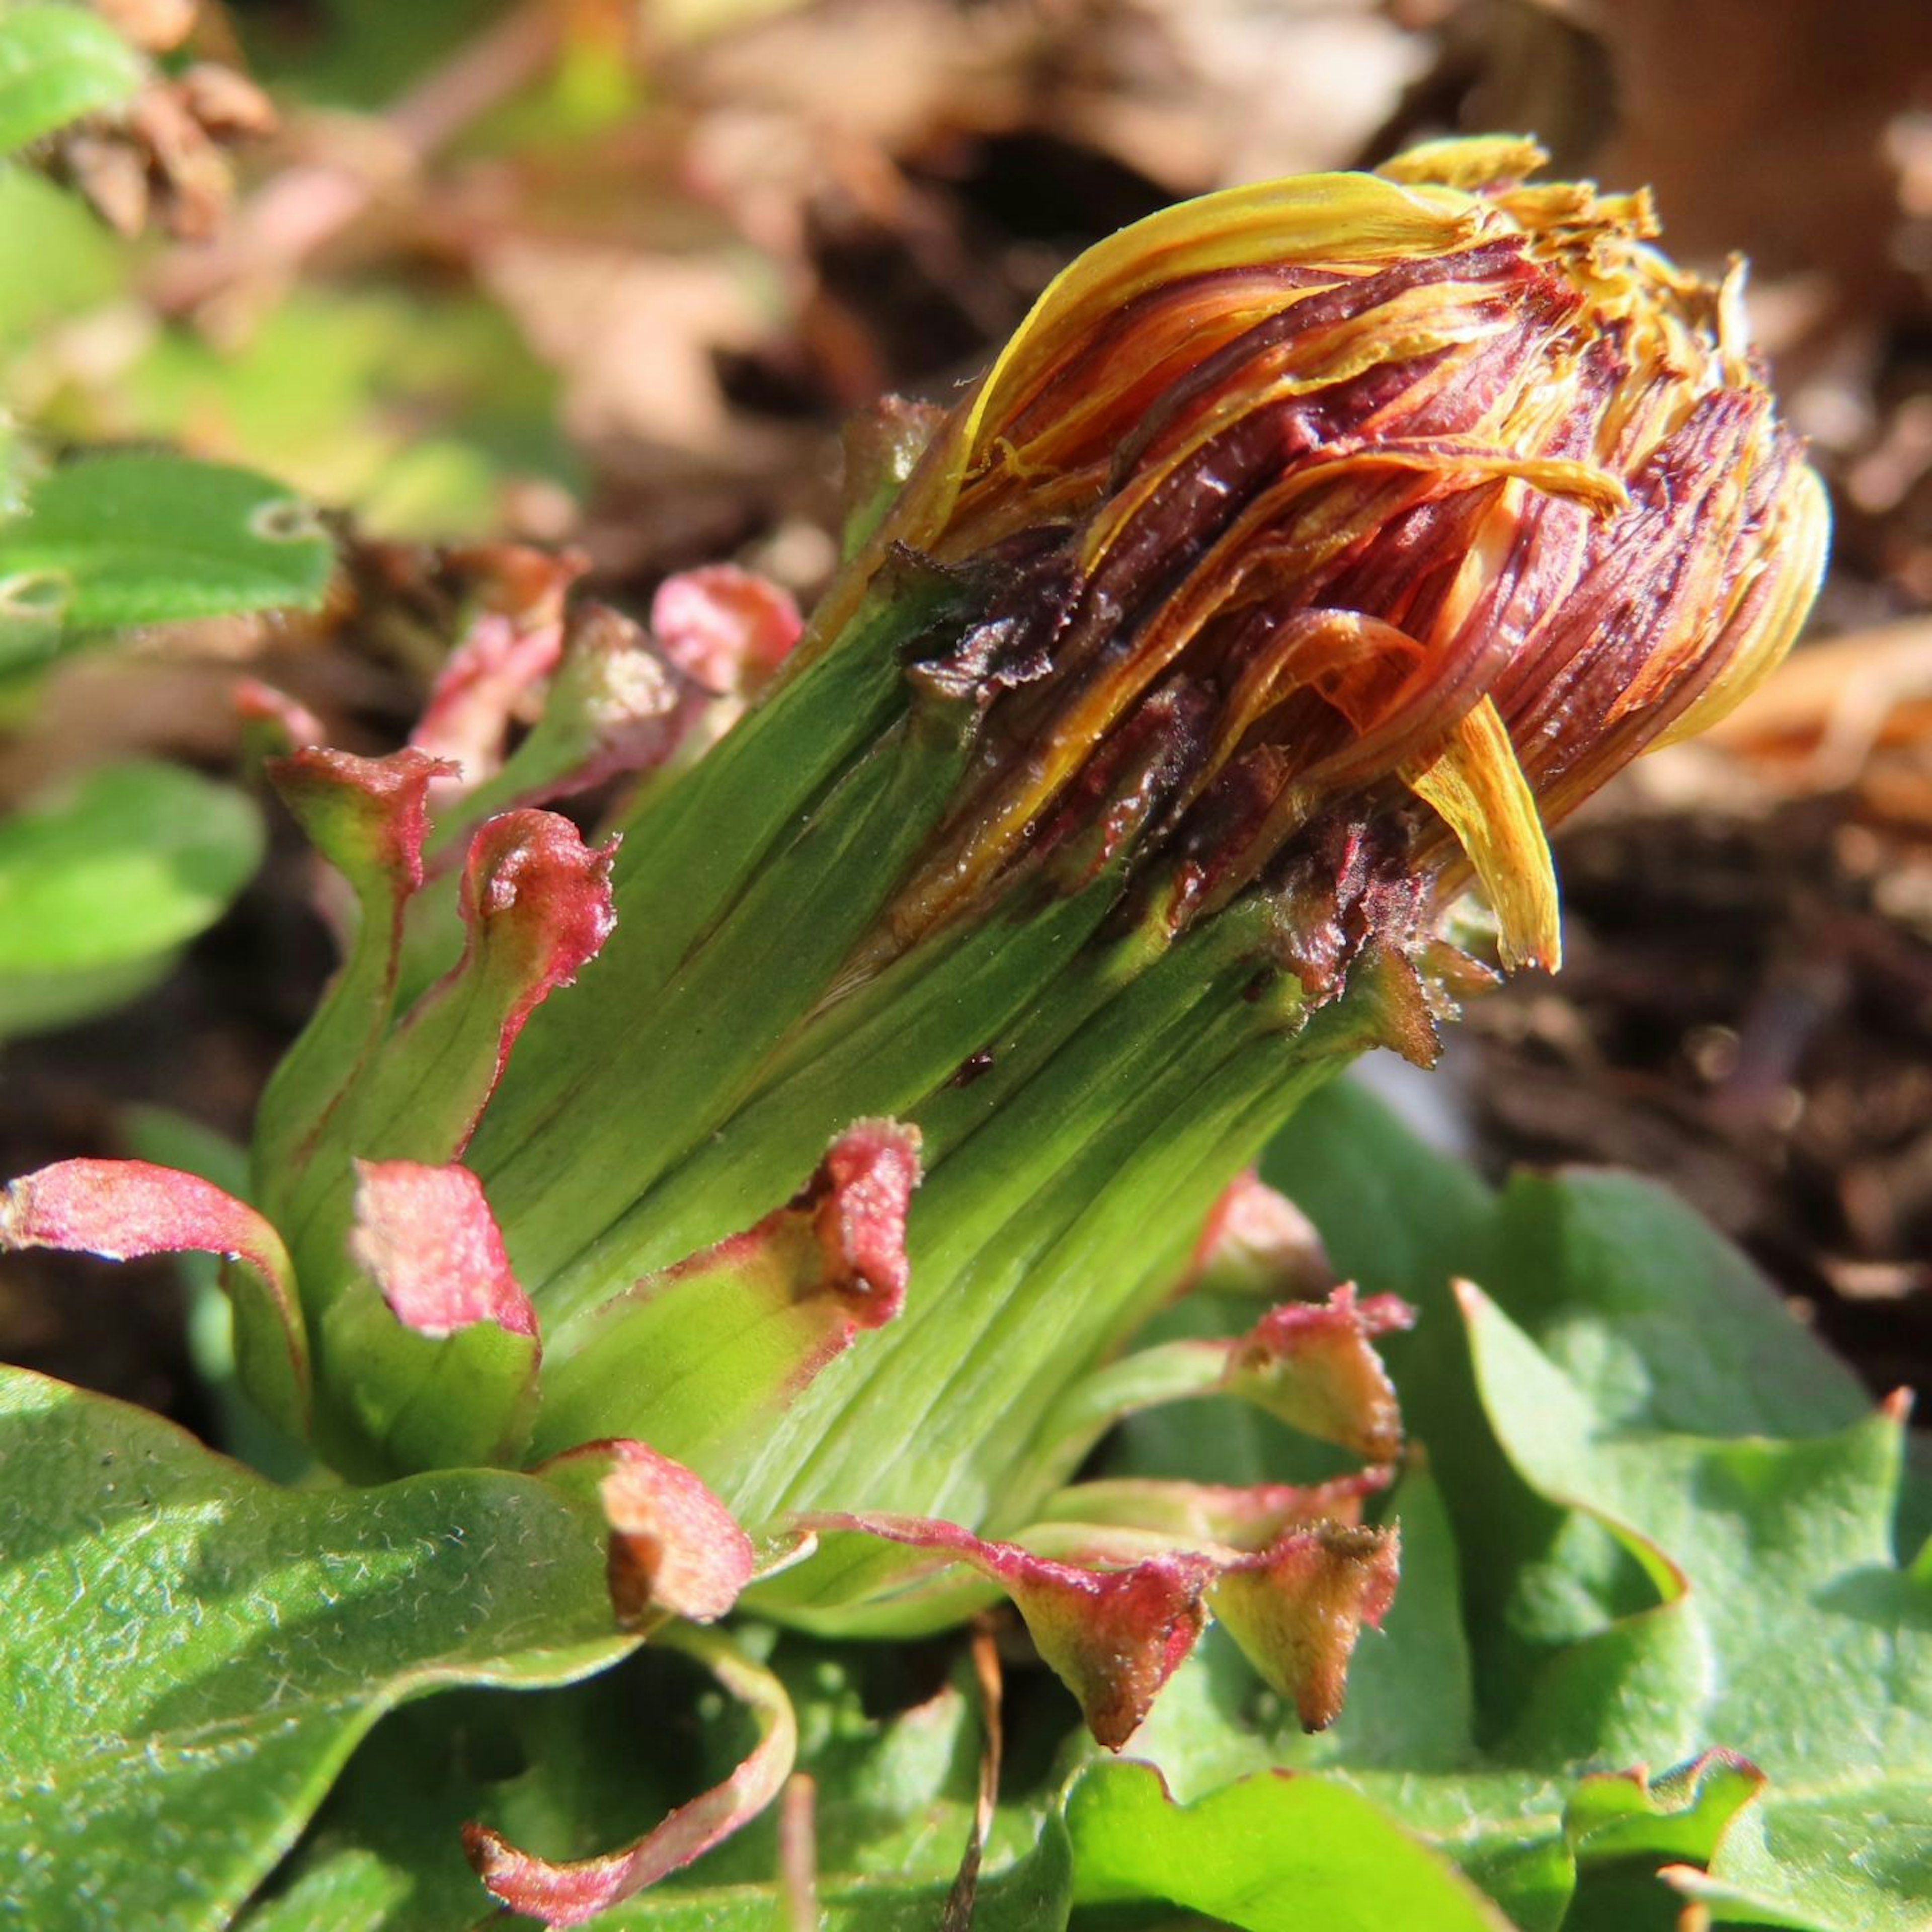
[
  {"x": 1112, "y": 1637},
  {"x": 1297, "y": 1608},
  {"x": 121, "y": 1209},
  {"x": 1315, "y": 1365},
  {"x": 427, "y": 1238},
  {"x": 569, "y": 1894},
  {"x": 725, "y": 627}
]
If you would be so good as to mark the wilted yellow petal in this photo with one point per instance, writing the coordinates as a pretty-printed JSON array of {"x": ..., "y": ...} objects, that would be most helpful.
[
  {"x": 1798, "y": 562},
  {"x": 1478, "y": 790},
  {"x": 1469, "y": 161}
]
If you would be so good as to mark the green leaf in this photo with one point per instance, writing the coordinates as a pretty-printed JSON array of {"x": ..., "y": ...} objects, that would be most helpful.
[
  {"x": 412, "y": 408},
  {"x": 192, "y": 1654},
  {"x": 139, "y": 538},
  {"x": 1773, "y": 1561},
  {"x": 1274, "y": 1853},
  {"x": 104, "y": 881},
  {"x": 578, "y": 1770},
  {"x": 56, "y": 64},
  {"x": 1596, "y": 1264}
]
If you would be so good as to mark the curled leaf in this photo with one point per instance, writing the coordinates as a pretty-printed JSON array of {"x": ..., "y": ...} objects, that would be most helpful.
[
  {"x": 675, "y": 1549},
  {"x": 120, "y": 1209},
  {"x": 1112, "y": 1637},
  {"x": 723, "y": 1342},
  {"x": 1315, "y": 1365},
  {"x": 1297, "y": 1608},
  {"x": 569, "y": 1894},
  {"x": 725, "y": 627},
  {"x": 511, "y": 645},
  {"x": 434, "y": 1349},
  {"x": 428, "y": 1240},
  {"x": 1257, "y": 1242}
]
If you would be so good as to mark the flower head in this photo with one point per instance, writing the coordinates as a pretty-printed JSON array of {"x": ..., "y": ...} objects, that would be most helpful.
[{"x": 1431, "y": 484}]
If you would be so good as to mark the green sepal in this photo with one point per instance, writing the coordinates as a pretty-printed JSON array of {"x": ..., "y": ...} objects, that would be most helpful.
[
  {"x": 696, "y": 850},
  {"x": 703, "y": 1358},
  {"x": 367, "y": 817},
  {"x": 399, "y": 1401},
  {"x": 697, "y": 1048}
]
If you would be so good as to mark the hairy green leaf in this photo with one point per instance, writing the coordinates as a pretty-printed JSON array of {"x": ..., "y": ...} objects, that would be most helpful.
[
  {"x": 140, "y": 539},
  {"x": 192, "y": 1654},
  {"x": 56, "y": 64}
]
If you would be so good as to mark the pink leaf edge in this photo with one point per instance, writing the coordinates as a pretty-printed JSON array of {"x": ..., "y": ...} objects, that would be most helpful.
[
  {"x": 675, "y": 1549},
  {"x": 723, "y": 626},
  {"x": 1314, "y": 1365},
  {"x": 368, "y": 816},
  {"x": 428, "y": 1239},
  {"x": 1114, "y": 1632},
  {"x": 1255, "y": 1241},
  {"x": 537, "y": 908},
  {"x": 121, "y": 1209},
  {"x": 1113, "y": 1636},
  {"x": 512, "y": 644},
  {"x": 570, "y": 1893}
]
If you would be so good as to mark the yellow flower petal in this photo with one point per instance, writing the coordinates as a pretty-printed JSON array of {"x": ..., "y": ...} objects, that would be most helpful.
[{"x": 1478, "y": 790}]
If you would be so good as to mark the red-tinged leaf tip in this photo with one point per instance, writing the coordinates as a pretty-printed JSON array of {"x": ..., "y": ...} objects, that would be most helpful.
[
  {"x": 427, "y": 1238},
  {"x": 277, "y": 722},
  {"x": 707, "y": 1354},
  {"x": 674, "y": 1546},
  {"x": 536, "y": 901},
  {"x": 617, "y": 705},
  {"x": 1112, "y": 1637},
  {"x": 1256, "y": 1241},
  {"x": 1314, "y": 1365},
  {"x": 123, "y": 1209},
  {"x": 512, "y": 645},
  {"x": 859, "y": 1198},
  {"x": 1897, "y": 1406},
  {"x": 1239, "y": 1516},
  {"x": 570, "y": 1893},
  {"x": 724, "y": 627},
  {"x": 367, "y": 816},
  {"x": 1297, "y": 1608}
]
